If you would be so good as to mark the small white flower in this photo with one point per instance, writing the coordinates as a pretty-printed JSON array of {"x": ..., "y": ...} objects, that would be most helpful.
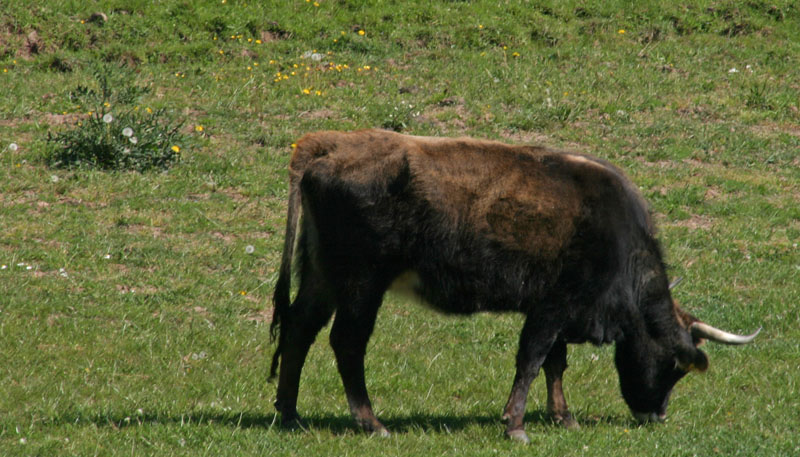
[
  {"x": 54, "y": 178},
  {"x": 23, "y": 441},
  {"x": 62, "y": 272},
  {"x": 3, "y": 267},
  {"x": 21, "y": 264},
  {"x": 127, "y": 131},
  {"x": 107, "y": 118},
  {"x": 13, "y": 147},
  {"x": 31, "y": 268},
  {"x": 733, "y": 70},
  {"x": 249, "y": 249},
  {"x": 620, "y": 112},
  {"x": 133, "y": 140},
  {"x": 107, "y": 256},
  {"x": 140, "y": 411}
]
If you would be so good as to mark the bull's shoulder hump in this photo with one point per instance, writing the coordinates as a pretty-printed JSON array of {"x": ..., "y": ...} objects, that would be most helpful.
[{"x": 348, "y": 148}]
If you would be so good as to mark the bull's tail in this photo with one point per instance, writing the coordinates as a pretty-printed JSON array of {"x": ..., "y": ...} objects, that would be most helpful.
[
  {"x": 309, "y": 148},
  {"x": 281, "y": 296}
]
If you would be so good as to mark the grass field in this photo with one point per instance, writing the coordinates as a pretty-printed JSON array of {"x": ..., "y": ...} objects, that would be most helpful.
[{"x": 134, "y": 307}]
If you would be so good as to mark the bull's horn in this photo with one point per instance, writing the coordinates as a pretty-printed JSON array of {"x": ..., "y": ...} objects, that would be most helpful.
[{"x": 703, "y": 330}]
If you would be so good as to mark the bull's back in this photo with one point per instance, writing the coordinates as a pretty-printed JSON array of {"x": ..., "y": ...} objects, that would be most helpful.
[{"x": 472, "y": 220}]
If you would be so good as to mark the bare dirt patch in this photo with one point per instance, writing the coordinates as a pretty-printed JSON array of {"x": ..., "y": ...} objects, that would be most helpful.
[
  {"x": 524, "y": 137},
  {"x": 323, "y": 113},
  {"x": 696, "y": 222}
]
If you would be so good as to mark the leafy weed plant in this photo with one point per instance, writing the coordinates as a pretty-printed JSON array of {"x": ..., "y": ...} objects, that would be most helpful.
[
  {"x": 131, "y": 141},
  {"x": 108, "y": 140}
]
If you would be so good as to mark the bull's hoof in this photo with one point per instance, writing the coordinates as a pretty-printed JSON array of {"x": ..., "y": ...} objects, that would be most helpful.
[
  {"x": 566, "y": 421},
  {"x": 292, "y": 422},
  {"x": 518, "y": 435},
  {"x": 382, "y": 432}
]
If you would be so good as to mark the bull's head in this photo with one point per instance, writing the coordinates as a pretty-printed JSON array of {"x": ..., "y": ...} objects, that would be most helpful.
[{"x": 650, "y": 365}]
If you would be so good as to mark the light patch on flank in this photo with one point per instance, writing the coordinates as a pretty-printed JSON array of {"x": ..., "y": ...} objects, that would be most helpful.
[{"x": 408, "y": 285}]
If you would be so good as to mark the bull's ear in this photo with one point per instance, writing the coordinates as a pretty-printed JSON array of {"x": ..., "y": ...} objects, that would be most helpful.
[{"x": 691, "y": 359}]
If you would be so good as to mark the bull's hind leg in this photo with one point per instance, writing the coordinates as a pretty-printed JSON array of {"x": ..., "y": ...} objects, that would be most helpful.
[
  {"x": 350, "y": 333},
  {"x": 311, "y": 310},
  {"x": 554, "y": 366},
  {"x": 535, "y": 343}
]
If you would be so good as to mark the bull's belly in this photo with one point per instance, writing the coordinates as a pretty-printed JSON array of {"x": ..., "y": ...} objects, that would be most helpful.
[{"x": 457, "y": 300}]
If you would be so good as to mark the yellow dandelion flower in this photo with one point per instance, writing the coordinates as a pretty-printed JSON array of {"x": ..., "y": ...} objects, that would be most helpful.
[
  {"x": 306, "y": 91},
  {"x": 149, "y": 111},
  {"x": 362, "y": 33},
  {"x": 294, "y": 145},
  {"x": 366, "y": 67},
  {"x": 319, "y": 92},
  {"x": 515, "y": 54},
  {"x": 621, "y": 31},
  {"x": 242, "y": 292},
  {"x": 198, "y": 128},
  {"x": 258, "y": 41},
  {"x": 176, "y": 149},
  {"x": 316, "y": 3},
  {"x": 480, "y": 26},
  {"x": 344, "y": 33}
]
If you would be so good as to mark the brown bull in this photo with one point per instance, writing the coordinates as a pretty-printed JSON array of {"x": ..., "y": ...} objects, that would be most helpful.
[{"x": 470, "y": 226}]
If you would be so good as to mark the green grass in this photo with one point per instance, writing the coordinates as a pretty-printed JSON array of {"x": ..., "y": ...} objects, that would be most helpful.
[{"x": 141, "y": 326}]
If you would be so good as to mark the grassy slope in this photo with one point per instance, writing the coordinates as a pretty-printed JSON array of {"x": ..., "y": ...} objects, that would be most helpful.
[{"x": 155, "y": 340}]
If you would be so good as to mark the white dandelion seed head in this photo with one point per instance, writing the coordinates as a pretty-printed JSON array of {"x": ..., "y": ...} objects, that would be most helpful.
[
  {"x": 733, "y": 70},
  {"x": 54, "y": 178},
  {"x": 107, "y": 118},
  {"x": 13, "y": 147},
  {"x": 127, "y": 131},
  {"x": 249, "y": 249}
]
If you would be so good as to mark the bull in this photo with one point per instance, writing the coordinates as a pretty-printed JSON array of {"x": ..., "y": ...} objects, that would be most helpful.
[{"x": 471, "y": 226}]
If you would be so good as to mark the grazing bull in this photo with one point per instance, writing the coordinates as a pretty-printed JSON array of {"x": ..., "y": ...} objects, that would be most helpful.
[{"x": 469, "y": 226}]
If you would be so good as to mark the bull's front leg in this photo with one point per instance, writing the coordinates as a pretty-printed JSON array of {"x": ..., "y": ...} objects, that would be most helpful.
[
  {"x": 554, "y": 366},
  {"x": 534, "y": 345}
]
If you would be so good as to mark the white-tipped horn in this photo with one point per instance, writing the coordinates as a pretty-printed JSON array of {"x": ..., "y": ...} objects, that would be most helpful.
[
  {"x": 675, "y": 282},
  {"x": 703, "y": 330}
]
